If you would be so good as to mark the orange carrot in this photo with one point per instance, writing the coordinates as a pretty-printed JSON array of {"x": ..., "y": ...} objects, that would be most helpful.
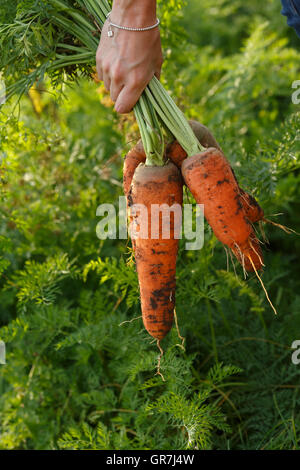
[
  {"x": 209, "y": 177},
  {"x": 251, "y": 207},
  {"x": 211, "y": 180},
  {"x": 177, "y": 154},
  {"x": 254, "y": 213},
  {"x": 132, "y": 160},
  {"x": 156, "y": 258}
]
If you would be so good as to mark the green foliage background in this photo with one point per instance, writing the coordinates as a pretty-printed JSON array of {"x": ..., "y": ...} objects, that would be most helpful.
[{"x": 76, "y": 376}]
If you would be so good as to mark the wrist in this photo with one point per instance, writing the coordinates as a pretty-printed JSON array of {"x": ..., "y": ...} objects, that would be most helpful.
[{"x": 132, "y": 13}]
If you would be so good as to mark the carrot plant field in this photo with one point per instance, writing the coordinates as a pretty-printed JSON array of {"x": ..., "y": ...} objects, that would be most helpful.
[{"x": 78, "y": 368}]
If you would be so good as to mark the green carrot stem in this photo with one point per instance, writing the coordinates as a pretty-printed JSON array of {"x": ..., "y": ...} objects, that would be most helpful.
[
  {"x": 151, "y": 133},
  {"x": 178, "y": 123},
  {"x": 153, "y": 128}
]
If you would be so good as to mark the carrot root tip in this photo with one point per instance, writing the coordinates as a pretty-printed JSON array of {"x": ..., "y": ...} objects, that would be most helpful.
[
  {"x": 242, "y": 260},
  {"x": 259, "y": 257},
  {"x": 130, "y": 321},
  {"x": 227, "y": 258},
  {"x": 158, "y": 372},
  {"x": 233, "y": 265},
  {"x": 262, "y": 284},
  {"x": 262, "y": 231},
  {"x": 178, "y": 332},
  {"x": 282, "y": 227}
]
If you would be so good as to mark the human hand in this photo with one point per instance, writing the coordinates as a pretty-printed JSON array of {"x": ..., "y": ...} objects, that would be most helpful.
[{"x": 127, "y": 61}]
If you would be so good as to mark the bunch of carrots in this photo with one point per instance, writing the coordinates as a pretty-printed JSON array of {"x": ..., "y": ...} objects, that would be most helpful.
[{"x": 230, "y": 211}]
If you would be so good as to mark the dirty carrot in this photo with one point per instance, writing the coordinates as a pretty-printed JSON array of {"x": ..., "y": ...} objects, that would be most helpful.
[
  {"x": 251, "y": 207},
  {"x": 132, "y": 160},
  {"x": 177, "y": 154},
  {"x": 212, "y": 182},
  {"x": 210, "y": 179},
  {"x": 156, "y": 257}
]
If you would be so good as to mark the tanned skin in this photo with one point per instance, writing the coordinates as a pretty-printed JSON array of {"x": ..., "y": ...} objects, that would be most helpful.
[{"x": 128, "y": 60}]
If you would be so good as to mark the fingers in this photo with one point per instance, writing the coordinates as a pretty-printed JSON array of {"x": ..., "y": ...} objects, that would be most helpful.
[
  {"x": 99, "y": 67},
  {"x": 117, "y": 80},
  {"x": 129, "y": 96},
  {"x": 126, "y": 64},
  {"x": 99, "y": 71},
  {"x": 115, "y": 90},
  {"x": 111, "y": 76},
  {"x": 112, "y": 80},
  {"x": 124, "y": 95},
  {"x": 106, "y": 80},
  {"x": 105, "y": 71}
]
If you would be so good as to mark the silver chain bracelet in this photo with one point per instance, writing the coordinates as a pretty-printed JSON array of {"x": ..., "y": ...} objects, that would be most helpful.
[{"x": 110, "y": 32}]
